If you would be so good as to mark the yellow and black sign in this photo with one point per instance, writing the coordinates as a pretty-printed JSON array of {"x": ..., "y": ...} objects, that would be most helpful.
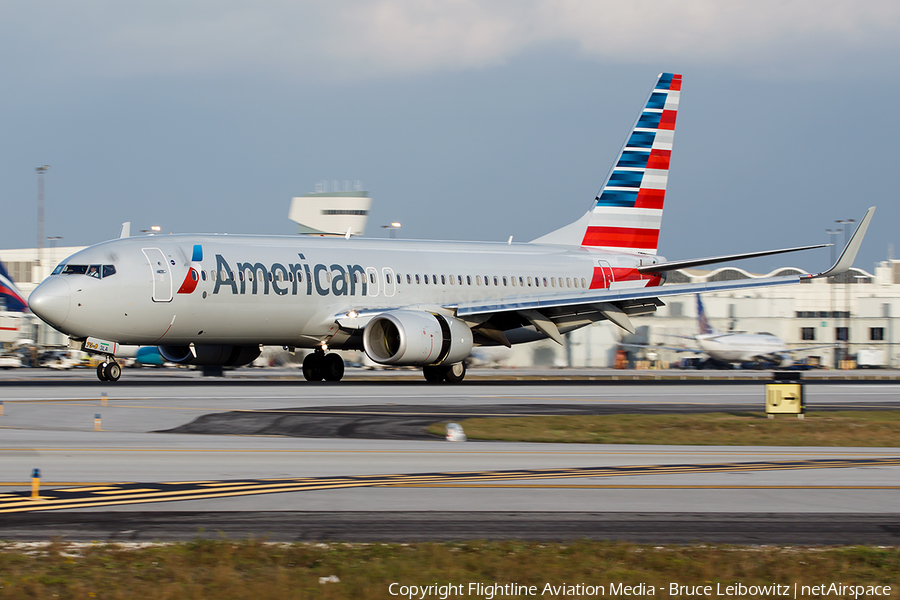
[{"x": 784, "y": 398}]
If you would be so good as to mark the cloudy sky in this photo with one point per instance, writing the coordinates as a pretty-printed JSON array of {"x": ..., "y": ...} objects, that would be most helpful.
[{"x": 464, "y": 119}]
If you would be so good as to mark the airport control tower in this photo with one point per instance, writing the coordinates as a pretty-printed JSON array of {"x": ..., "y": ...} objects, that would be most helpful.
[{"x": 331, "y": 213}]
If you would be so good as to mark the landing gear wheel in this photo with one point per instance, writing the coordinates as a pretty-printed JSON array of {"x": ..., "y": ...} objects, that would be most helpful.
[
  {"x": 455, "y": 373},
  {"x": 312, "y": 367},
  {"x": 433, "y": 374},
  {"x": 333, "y": 367},
  {"x": 112, "y": 371},
  {"x": 101, "y": 371}
]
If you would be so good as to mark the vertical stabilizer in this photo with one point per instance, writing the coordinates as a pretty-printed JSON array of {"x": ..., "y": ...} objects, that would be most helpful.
[
  {"x": 702, "y": 321},
  {"x": 10, "y": 296},
  {"x": 627, "y": 213}
]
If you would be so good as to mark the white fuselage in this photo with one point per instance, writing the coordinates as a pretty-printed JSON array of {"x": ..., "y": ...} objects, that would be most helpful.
[
  {"x": 741, "y": 347},
  {"x": 287, "y": 290}
]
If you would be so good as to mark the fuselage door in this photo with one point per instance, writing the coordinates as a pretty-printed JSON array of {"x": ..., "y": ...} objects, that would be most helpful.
[
  {"x": 162, "y": 278},
  {"x": 373, "y": 284},
  {"x": 390, "y": 283}
]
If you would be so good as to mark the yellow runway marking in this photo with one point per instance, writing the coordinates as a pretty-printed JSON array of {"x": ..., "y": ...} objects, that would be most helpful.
[
  {"x": 63, "y": 498},
  {"x": 614, "y": 486}
]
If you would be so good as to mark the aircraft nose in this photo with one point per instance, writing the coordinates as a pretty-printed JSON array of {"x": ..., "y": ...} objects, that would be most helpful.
[{"x": 50, "y": 301}]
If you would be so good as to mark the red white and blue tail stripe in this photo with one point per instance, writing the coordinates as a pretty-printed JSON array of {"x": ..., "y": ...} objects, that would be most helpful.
[
  {"x": 628, "y": 210},
  {"x": 11, "y": 298}
]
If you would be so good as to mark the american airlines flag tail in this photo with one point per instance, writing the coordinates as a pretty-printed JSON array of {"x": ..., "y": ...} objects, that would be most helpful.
[{"x": 628, "y": 209}]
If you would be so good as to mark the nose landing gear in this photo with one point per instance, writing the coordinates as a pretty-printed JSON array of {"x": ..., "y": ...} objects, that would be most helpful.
[{"x": 109, "y": 371}]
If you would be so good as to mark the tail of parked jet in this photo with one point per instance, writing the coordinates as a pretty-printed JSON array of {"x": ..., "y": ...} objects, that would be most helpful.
[
  {"x": 702, "y": 321},
  {"x": 10, "y": 296},
  {"x": 627, "y": 213}
]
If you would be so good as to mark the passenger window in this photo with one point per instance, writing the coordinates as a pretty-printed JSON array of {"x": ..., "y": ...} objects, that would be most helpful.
[
  {"x": 109, "y": 270},
  {"x": 545, "y": 282},
  {"x": 478, "y": 280},
  {"x": 203, "y": 275},
  {"x": 537, "y": 282},
  {"x": 443, "y": 280},
  {"x": 529, "y": 282},
  {"x": 513, "y": 281},
  {"x": 521, "y": 282},
  {"x": 241, "y": 275},
  {"x": 568, "y": 282},
  {"x": 408, "y": 278},
  {"x": 504, "y": 282},
  {"x": 371, "y": 277},
  {"x": 496, "y": 281},
  {"x": 194, "y": 274},
  {"x": 575, "y": 282},
  {"x": 329, "y": 277},
  {"x": 468, "y": 280},
  {"x": 417, "y": 278},
  {"x": 387, "y": 277},
  {"x": 583, "y": 283},
  {"x": 459, "y": 277}
]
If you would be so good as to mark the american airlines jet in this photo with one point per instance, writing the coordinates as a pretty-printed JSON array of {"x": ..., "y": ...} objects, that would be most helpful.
[{"x": 215, "y": 299}]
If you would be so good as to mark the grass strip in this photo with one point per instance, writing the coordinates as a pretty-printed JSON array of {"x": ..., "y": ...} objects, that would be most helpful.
[
  {"x": 225, "y": 569},
  {"x": 840, "y": 428}
]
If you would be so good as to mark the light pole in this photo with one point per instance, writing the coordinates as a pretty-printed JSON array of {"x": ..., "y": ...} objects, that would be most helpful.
[
  {"x": 846, "y": 225},
  {"x": 40, "y": 173},
  {"x": 153, "y": 229},
  {"x": 831, "y": 315},
  {"x": 392, "y": 229}
]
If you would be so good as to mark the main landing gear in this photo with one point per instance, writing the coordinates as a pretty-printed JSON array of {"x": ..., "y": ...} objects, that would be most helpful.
[
  {"x": 318, "y": 366},
  {"x": 454, "y": 373},
  {"x": 109, "y": 370}
]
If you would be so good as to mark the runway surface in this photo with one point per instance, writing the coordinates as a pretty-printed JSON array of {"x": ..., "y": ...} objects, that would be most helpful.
[{"x": 253, "y": 472}]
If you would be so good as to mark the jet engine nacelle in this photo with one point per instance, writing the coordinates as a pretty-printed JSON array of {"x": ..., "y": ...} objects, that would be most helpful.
[
  {"x": 411, "y": 337},
  {"x": 218, "y": 356}
]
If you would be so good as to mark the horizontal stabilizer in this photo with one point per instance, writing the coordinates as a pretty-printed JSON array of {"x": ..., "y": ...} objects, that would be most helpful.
[{"x": 699, "y": 262}]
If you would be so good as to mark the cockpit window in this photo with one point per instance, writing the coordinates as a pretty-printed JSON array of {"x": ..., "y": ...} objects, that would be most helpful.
[
  {"x": 58, "y": 269},
  {"x": 98, "y": 271}
]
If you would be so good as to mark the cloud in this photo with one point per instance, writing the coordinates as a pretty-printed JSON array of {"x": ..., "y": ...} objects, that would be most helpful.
[{"x": 362, "y": 38}]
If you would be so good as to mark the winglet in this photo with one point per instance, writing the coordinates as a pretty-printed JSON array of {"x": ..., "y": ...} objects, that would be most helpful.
[{"x": 845, "y": 260}]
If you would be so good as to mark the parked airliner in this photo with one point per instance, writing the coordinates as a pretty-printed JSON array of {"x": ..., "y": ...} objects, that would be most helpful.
[
  {"x": 739, "y": 347},
  {"x": 215, "y": 299}
]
